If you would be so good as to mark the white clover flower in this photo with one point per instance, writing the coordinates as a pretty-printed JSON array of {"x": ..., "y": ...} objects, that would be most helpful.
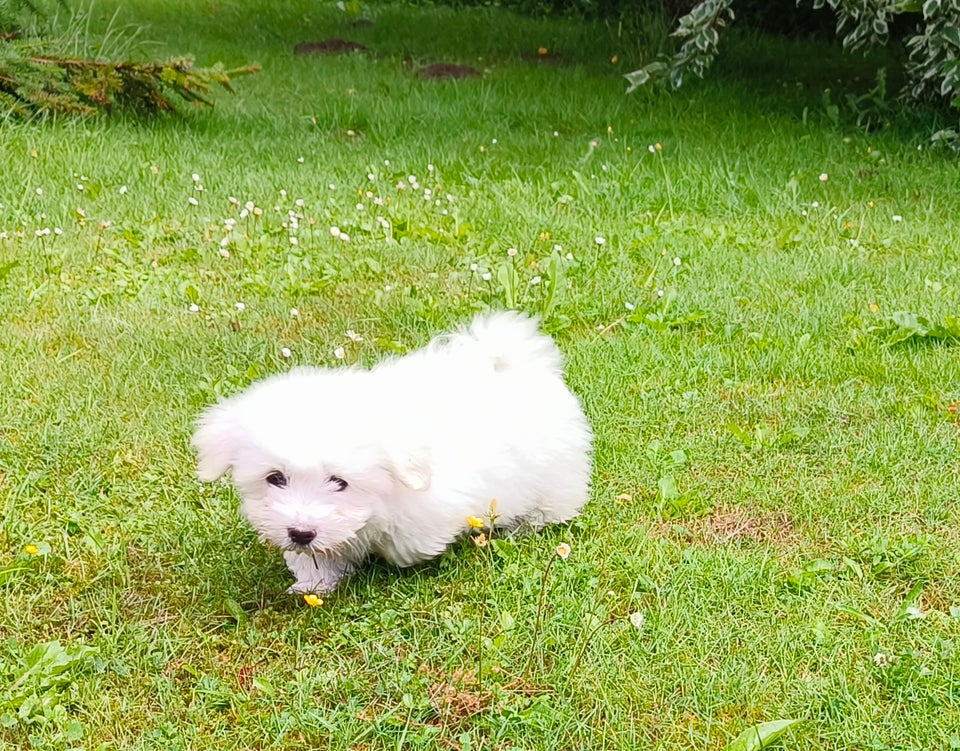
[
  {"x": 339, "y": 353},
  {"x": 331, "y": 186},
  {"x": 345, "y": 237},
  {"x": 556, "y": 134},
  {"x": 512, "y": 252},
  {"x": 378, "y": 201},
  {"x": 494, "y": 141},
  {"x": 824, "y": 177},
  {"x": 224, "y": 242},
  {"x": 79, "y": 186},
  {"x": 897, "y": 218},
  {"x": 294, "y": 313},
  {"x": 677, "y": 261},
  {"x": 233, "y": 201},
  {"x": 257, "y": 211},
  {"x": 371, "y": 177},
  {"x": 660, "y": 293},
  {"x": 915, "y": 613},
  {"x": 194, "y": 308},
  {"x": 429, "y": 168},
  {"x": 294, "y": 240},
  {"x": 881, "y": 660},
  {"x": 285, "y": 352},
  {"x": 300, "y": 160},
  {"x": 57, "y": 231},
  {"x": 123, "y": 190},
  {"x": 224, "y": 253},
  {"x": 360, "y": 207},
  {"x": 195, "y": 177},
  {"x": 600, "y": 240},
  {"x": 651, "y": 148},
  {"x": 193, "y": 201},
  {"x": 637, "y": 619},
  {"x": 299, "y": 203},
  {"x": 249, "y": 205},
  {"x": 244, "y": 213},
  {"x": 569, "y": 256},
  {"x": 354, "y": 336},
  {"x": 335, "y": 231},
  {"x": 240, "y": 306},
  {"x": 535, "y": 281},
  {"x": 473, "y": 267},
  {"x": 815, "y": 205},
  {"x": 39, "y": 191}
]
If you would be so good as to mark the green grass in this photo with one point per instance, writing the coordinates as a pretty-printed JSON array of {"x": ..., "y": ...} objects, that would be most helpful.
[{"x": 808, "y": 468}]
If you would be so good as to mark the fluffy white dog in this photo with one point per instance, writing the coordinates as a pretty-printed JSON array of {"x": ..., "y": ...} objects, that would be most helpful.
[{"x": 335, "y": 465}]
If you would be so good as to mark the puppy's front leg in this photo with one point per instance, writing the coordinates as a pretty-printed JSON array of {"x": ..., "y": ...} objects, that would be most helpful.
[{"x": 319, "y": 574}]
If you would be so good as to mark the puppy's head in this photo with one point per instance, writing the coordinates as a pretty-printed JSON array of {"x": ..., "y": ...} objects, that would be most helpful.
[{"x": 315, "y": 461}]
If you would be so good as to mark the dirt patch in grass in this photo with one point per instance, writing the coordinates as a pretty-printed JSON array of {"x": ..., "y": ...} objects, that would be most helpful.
[
  {"x": 332, "y": 46},
  {"x": 458, "y": 696},
  {"x": 461, "y": 695},
  {"x": 448, "y": 70},
  {"x": 725, "y": 526}
]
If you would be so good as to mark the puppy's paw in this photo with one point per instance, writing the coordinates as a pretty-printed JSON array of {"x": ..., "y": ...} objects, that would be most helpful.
[
  {"x": 314, "y": 574},
  {"x": 308, "y": 588}
]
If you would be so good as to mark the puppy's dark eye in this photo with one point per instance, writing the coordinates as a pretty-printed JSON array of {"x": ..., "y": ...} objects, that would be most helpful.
[
  {"x": 338, "y": 482},
  {"x": 277, "y": 479}
]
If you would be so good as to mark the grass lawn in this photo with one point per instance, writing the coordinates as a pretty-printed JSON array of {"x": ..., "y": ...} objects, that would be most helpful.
[{"x": 773, "y": 532}]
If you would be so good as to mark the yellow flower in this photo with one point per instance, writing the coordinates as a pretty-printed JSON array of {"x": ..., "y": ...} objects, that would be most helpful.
[
  {"x": 563, "y": 550},
  {"x": 543, "y": 51},
  {"x": 313, "y": 600},
  {"x": 658, "y": 146},
  {"x": 475, "y": 522},
  {"x": 31, "y": 549}
]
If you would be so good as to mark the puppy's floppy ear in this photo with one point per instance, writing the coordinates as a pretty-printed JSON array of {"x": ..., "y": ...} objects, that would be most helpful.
[
  {"x": 215, "y": 441},
  {"x": 412, "y": 468}
]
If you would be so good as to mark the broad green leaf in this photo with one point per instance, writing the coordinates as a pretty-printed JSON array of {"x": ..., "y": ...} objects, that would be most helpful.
[
  {"x": 760, "y": 736},
  {"x": 668, "y": 488}
]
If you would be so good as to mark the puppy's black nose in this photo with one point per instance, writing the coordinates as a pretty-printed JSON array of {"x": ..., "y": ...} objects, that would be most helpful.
[{"x": 301, "y": 536}]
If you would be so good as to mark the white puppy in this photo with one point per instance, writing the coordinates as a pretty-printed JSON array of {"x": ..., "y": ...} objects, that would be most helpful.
[{"x": 333, "y": 465}]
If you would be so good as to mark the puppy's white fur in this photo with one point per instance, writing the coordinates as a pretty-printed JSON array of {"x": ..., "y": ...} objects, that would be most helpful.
[{"x": 393, "y": 460}]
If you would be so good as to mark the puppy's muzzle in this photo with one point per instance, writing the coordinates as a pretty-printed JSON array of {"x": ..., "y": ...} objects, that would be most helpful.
[{"x": 301, "y": 536}]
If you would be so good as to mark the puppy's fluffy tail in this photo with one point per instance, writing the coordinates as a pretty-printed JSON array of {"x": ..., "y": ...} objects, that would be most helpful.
[{"x": 514, "y": 341}]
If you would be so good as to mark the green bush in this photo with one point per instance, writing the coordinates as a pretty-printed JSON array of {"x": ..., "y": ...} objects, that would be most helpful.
[{"x": 929, "y": 32}]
